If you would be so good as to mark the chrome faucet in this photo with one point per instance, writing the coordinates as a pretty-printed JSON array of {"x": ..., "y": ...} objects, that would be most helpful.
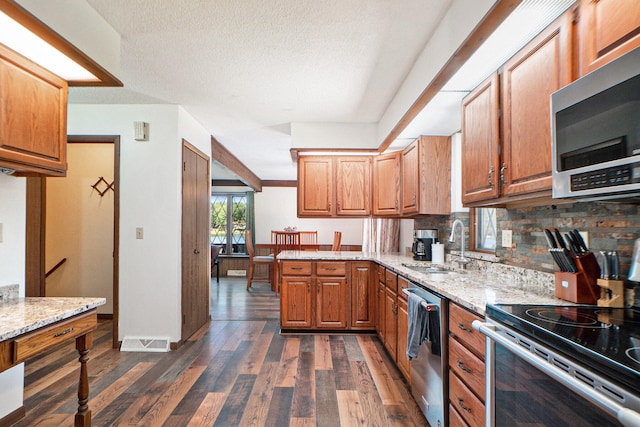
[{"x": 462, "y": 261}]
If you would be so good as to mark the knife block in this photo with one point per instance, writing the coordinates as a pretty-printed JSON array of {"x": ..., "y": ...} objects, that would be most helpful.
[
  {"x": 580, "y": 287},
  {"x": 611, "y": 293}
]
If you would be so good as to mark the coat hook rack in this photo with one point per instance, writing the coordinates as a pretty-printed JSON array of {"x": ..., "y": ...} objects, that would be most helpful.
[{"x": 108, "y": 186}]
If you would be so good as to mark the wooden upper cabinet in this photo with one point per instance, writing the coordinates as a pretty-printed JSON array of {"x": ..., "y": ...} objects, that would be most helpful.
[
  {"x": 315, "y": 186},
  {"x": 426, "y": 176},
  {"x": 528, "y": 80},
  {"x": 608, "y": 29},
  {"x": 386, "y": 184},
  {"x": 353, "y": 186},
  {"x": 481, "y": 142},
  {"x": 33, "y": 117},
  {"x": 334, "y": 186}
]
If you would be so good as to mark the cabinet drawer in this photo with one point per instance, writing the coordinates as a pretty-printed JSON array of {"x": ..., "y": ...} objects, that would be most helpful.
[
  {"x": 402, "y": 284},
  {"x": 380, "y": 271},
  {"x": 331, "y": 268},
  {"x": 295, "y": 268},
  {"x": 460, "y": 325},
  {"x": 465, "y": 402},
  {"x": 391, "y": 280},
  {"x": 455, "y": 419},
  {"x": 467, "y": 366},
  {"x": 34, "y": 342}
]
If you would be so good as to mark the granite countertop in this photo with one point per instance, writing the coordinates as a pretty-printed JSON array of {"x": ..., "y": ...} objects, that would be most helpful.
[
  {"x": 22, "y": 315},
  {"x": 472, "y": 288}
]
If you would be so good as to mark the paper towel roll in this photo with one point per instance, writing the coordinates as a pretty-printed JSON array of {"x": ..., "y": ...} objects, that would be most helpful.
[{"x": 437, "y": 253}]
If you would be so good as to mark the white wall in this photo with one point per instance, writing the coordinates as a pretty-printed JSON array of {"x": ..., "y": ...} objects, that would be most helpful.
[
  {"x": 79, "y": 226},
  {"x": 12, "y": 271},
  {"x": 276, "y": 208},
  {"x": 334, "y": 135},
  {"x": 150, "y": 197}
]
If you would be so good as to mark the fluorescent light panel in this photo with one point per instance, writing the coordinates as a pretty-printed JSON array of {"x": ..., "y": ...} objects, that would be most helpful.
[{"x": 23, "y": 41}]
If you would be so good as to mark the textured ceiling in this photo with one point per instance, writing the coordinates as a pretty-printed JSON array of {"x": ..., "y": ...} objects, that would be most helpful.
[{"x": 247, "y": 69}]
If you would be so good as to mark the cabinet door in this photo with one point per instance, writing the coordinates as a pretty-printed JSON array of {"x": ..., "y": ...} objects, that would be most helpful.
[
  {"x": 363, "y": 296},
  {"x": 434, "y": 173},
  {"x": 332, "y": 302},
  {"x": 386, "y": 185},
  {"x": 410, "y": 178},
  {"x": 529, "y": 78},
  {"x": 480, "y": 142},
  {"x": 295, "y": 302},
  {"x": 33, "y": 117},
  {"x": 608, "y": 29},
  {"x": 403, "y": 327},
  {"x": 315, "y": 186},
  {"x": 390, "y": 322},
  {"x": 353, "y": 186},
  {"x": 381, "y": 308}
]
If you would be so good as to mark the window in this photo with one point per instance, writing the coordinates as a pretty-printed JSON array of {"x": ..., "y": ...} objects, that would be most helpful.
[
  {"x": 229, "y": 222},
  {"x": 484, "y": 236}
]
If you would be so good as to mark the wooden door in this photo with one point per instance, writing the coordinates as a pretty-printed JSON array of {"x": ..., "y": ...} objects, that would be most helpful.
[
  {"x": 331, "y": 303},
  {"x": 295, "y": 302},
  {"x": 529, "y": 78},
  {"x": 481, "y": 143},
  {"x": 386, "y": 184},
  {"x": 410, "y": 178},
  {"x": 315, "y": 186},
  {"x": 403, "y": 328},
  {"x": 381, "y": 309},
  {"x": 608, "y": 29},
  {"x": 363, "y": 296},
  {"x": 353, "y": 186},
  {"x": 195, "y": 239},
  {"x": 390, "y": 322}
]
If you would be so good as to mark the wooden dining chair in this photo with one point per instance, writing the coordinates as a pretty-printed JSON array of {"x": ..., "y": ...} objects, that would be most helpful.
[
  {"x": 257, "y": 259},
  {"x": 215, "y": 261},
  {"x": 284, "y": 241},
  {"x": 337, "y": 237}
]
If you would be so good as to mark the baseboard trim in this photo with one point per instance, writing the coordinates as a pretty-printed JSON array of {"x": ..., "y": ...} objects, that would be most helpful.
[{"x": 13, "y": 417}]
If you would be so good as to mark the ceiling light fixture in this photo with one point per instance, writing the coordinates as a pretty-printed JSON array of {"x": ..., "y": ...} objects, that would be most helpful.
[{"x": 25, "y": 34}]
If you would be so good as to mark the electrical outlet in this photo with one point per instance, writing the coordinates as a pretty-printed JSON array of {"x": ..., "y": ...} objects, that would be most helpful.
[
  {"x": 585, "y": 237},
  {"x": 507, "y": 238},
  {"x": 139, "y": 233}
]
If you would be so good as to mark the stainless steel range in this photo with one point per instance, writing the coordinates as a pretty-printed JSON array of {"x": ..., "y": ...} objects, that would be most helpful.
[{"x": 562, "y": 365}]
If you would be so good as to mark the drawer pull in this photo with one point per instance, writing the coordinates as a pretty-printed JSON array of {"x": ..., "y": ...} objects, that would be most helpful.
[
  {"x": 296, "y": 268},
  {"x": 330, "y": 268},
  {"x": 65, "y": 332},
  {"x": 463, "y": 406},
  {"x": 464, "y": 328},
  {"x": 464, "y": 368},
  {"x": 362, "y": 269}
]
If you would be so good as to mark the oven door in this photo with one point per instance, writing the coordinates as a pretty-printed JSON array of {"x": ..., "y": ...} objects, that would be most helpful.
[{"x": 529, "y": 384}]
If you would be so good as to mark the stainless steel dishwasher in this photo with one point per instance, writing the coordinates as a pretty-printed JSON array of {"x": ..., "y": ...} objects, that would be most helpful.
[{"x": 429, "y": 385}]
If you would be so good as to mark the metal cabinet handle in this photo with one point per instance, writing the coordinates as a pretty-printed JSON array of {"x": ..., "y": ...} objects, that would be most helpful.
[
  {"x": 308, "y": 286},
  {"x": 464, "y": 368},
  {"x": 296, "y": 268},
  {"x": 195, "y": 251},
  {"x": 491, "y": 177},
  {"x": 65, "y": 332},
  {"x": 330, "y": 268},
  {"x": 362, "y": 269},
  {"x": 464, "y": 328},
  {"x": 502, "y": 169},
  {"x": 463, "y": 406}
]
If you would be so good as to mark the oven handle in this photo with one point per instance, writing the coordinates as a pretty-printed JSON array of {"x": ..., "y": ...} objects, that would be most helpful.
[
  {"x": 626, "y": 416},
  {"x": 425, "y": 304}
]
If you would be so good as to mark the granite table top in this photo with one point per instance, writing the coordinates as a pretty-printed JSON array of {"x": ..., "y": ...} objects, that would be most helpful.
[
  {"x": 473, "y": 289},
  {"x": 21, "y": 315}
]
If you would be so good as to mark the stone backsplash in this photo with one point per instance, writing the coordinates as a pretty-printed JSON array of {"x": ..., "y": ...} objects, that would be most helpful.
[{"x": 611, "y": 227}]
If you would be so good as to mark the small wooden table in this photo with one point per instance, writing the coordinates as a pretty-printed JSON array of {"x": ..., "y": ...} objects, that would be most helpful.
[{"x": 30, "y": 326}]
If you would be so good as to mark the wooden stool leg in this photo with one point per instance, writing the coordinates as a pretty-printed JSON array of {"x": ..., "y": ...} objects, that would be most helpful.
[{"x": 83, "y": 417}]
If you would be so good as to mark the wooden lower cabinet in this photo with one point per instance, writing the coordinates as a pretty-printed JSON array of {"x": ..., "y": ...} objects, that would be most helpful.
[
  {"x": 391, "y": 322},
  {"x": 327, "y": 295},
  {"x": 381, "y": 296},
  {"x": 403, "y": 326},
  {"x": 466, "y": 369}
]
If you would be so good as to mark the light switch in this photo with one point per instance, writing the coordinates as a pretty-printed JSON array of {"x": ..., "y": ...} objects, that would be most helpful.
[
  {"x": 507, "y": 238},
  {"x": 139, "y": 233}
]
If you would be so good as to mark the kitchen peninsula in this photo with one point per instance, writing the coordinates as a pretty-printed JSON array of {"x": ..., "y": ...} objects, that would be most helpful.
[{"x": 30, "y": 326}]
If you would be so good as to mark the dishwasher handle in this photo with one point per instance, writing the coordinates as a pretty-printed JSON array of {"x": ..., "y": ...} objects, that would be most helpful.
[
  {"x": 423, "y": 303},
  {"x": 626, "y": 416}
]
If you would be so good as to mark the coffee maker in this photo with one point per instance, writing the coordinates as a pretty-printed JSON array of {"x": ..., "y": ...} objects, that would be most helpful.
[{"x": 422, "y": 240}]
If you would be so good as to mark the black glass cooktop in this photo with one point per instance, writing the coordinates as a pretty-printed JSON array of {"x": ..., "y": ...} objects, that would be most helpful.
[{"x": 604, "y": 339}]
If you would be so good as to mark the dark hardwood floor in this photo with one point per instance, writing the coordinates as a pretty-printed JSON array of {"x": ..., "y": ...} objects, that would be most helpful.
[{"x": 237, "y": 370}]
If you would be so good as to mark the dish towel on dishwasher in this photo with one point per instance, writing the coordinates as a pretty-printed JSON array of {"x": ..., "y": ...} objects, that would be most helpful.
[{"x": 418, "y": 328}]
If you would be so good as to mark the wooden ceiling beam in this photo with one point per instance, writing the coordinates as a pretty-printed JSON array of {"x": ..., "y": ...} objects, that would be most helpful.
[{"x": 223, "y": 156}]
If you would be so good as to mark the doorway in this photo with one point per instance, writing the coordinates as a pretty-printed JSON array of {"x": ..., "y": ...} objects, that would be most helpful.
[{"x": 72, "y": 226}]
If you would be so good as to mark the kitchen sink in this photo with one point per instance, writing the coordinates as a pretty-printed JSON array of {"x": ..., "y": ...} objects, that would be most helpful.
[{"x": 432, "y": 269}]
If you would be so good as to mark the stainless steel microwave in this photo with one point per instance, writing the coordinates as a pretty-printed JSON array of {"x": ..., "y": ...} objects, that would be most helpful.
[{"x": 595, "y": 124}]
